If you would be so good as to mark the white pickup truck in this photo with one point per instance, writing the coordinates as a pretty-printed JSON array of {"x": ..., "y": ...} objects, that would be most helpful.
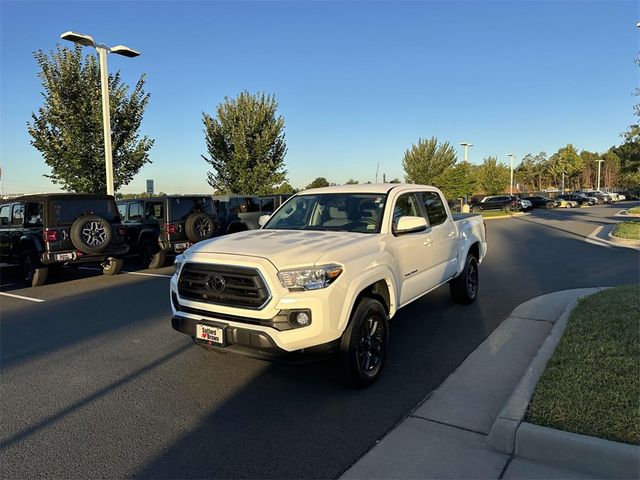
[{"x": 325, "y": 274}]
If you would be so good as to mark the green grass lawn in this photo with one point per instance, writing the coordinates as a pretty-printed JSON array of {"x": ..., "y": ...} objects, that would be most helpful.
[
  {"x": 592, "y": 382},
  {"x": 635, "y": 210},
  {"x": 629, "y": 230}
]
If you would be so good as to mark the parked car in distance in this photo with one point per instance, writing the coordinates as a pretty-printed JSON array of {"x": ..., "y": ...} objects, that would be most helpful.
[
  {"x": 238, "y": 213},
  {"x": 523, "y": 203},
  {"x": 573, "y": 197},
  {"x": 46, "y": 230},
  {"x": 157, "y": 227},
  {"x": 562, "y": 203},
  {"x": 538, "y": 201},
  {"x": 325, "y": 274},
  {"x": 505, "y": 203}
]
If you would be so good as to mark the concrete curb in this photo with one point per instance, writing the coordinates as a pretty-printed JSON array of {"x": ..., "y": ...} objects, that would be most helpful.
[
  {"x": 519, "y": 214},
  {"x": 509, "y": 434},
  {"x": 623, "y": 241}
]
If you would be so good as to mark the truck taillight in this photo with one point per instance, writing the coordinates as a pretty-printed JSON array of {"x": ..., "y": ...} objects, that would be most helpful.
[
  {"x": 170, "y": 228},
  {"x": 50, "y": 235}
]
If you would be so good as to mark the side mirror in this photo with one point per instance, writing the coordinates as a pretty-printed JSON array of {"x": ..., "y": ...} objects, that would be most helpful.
[
  {"x": 262, "y": 221},
  {"x": 411, "y": 225}
]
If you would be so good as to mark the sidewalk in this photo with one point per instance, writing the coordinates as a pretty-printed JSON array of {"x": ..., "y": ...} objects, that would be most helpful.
[{"x": 446, "y": 436}]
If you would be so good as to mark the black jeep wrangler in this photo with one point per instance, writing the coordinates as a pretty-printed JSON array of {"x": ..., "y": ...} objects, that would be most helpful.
[
  {"x": 161, "y": 226},
  {"x": 45, "y": 230}
]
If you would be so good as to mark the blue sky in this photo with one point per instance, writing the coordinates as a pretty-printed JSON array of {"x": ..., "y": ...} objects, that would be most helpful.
[{"x": 357, "y": 82}]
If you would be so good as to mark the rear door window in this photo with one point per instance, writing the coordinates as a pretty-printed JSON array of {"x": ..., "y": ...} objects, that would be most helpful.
[
  {"x": 436, "y": 213},
  {"x": 33, "y": 214},
  {"x": 135, "y": 211},
  {"x": 154, "y": 211}
]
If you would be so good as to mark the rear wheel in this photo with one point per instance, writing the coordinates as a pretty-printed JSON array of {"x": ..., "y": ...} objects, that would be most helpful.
[
  {"x": 464, "y": 288},
  {"x": 34, "y": 274},
  {"x": 363, "y": 347},
  {"x": 112, "y": 266},
  {"x": 152, "y": 255}
]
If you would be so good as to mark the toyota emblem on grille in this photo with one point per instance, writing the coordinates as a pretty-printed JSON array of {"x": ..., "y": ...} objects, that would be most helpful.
[{"x": 215, "y": 283}]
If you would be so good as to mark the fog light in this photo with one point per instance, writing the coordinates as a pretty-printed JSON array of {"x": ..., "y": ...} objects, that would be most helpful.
[{"x": 302, "y": 319}]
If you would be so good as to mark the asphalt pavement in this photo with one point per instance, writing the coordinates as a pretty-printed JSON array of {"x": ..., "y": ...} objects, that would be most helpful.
[{"x": 95, "y": 383}]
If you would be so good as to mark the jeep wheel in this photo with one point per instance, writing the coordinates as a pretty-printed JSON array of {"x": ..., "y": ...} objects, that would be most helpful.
[
  {"x": 112, "y": 266},
  {"x": 91, "y": 234},
  {"x": 363, "y": 347},
  {"x": 34, "y": 274},
  {"x": 464, "y": 288},
  {"x": 152, "y": 255},
  {"x": 199, "y": 226}
]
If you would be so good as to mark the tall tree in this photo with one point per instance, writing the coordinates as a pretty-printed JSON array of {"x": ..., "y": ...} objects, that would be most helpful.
[
  {"x": 318, "y": 182},
  {"x": 459, "y": 181},
  {"x": 352, "y": 181},
  {"x": 494, "y": 176},
  {"x": 68, "y": 128},
  {"x": 589, "y": 174},
  {"x": 246, "y": 145},
  {"x": 610, "y": 169},
  {"x": 629, "y": 151},
  {"x": 424, "y": 162},
  {"x": 567, "y": 161}
]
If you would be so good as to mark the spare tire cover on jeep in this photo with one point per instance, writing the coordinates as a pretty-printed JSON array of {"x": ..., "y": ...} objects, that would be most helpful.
[
  {"x": 91, "y": 234},
  {"x": 199, "y": 226}
]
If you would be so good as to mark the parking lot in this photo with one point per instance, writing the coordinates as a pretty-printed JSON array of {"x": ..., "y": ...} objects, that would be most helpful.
[{"x": 95, "y": 383}]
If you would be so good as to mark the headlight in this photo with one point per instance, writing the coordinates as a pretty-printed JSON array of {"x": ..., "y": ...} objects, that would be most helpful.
[
  {"x": 177, "y": 263},
  {"x": 310, "y": 278}
]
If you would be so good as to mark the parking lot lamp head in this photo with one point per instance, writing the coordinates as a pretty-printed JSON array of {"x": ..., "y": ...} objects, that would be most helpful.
[
  {"x": 124, "y": 51},
  {"x": 79, "y": 38}
]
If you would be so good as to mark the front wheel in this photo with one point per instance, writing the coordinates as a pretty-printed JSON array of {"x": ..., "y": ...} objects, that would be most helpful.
[
  {"x": 112, "y": 266},
  {"x": 363, "y": 348},
  {"x": 464, "y": 288}
]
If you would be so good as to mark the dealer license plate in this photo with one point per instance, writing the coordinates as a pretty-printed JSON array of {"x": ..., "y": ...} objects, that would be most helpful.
[{"x": 207, "y": 333}]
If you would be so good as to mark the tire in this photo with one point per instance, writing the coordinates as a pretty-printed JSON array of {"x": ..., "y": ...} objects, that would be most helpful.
[
  {"x": 91, "y": 234},
  {"x": 199, "y": 226},
  {"x": 152, "y": 255},
  {"x": 112, "y": 266},
  {"x": 34, "y": 274},
  {"x": 464, "y": 288},
  {"x": 363, "y": 348}
]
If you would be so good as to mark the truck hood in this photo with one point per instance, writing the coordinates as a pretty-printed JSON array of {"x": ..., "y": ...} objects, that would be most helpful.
[{"x": 283, "y": 248}]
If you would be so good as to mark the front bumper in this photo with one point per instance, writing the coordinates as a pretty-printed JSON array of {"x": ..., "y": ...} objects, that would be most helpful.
[{"x": 253, "y": 343}]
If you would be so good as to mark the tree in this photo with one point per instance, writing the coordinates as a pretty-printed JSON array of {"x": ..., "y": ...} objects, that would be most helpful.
[
  {"x": 566, "y": 160},
  {"x": 425, "y": 161},
  {"x": 319, "y": 182},
  {"x": 589, "y": 174},
  {"x": 629, "y": 151},
  {"x": 395, "y": 180},
  {"x": 68, "y": 128},
  {"x": 351, "y": 181},
  {"x": 284, "y": 188},
  {"x": 246, "y": 145},
  {"x": 459, "y": 181},
  {"x": 610, "y": 169},
  {"x": 493, "y": 176}
]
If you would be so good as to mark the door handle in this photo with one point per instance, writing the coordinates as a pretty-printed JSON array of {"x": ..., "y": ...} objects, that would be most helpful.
[{"x": 428, "y": 242}]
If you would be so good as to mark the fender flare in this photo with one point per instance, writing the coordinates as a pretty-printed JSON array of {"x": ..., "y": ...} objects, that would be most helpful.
[
  {"x": 359, "y": 284},
  {"x": 31, "y": 242},
  {"x": 148, "y": 233}
]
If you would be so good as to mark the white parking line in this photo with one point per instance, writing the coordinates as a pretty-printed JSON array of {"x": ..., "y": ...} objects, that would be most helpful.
[
  {"x": 37, "y": 300},
  {"x": 148, "y": 274}
]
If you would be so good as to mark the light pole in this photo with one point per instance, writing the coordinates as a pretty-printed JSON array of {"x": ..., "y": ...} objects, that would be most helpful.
[
  {"x": 511, "y": 157},
  {"x": 466, "y": 146},
  {"x": 599, "y": 163},
  {"x": 88, "y": 41}
]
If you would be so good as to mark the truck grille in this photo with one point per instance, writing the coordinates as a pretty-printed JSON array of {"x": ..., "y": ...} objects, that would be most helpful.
[{"x": 223, "y": 285}]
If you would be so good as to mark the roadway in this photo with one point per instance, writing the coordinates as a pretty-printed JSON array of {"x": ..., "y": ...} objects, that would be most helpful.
[{"x": 95, "y": 383}]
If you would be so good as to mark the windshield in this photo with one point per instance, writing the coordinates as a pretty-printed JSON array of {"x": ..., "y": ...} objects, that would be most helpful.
[{"x": 341, "y": 212}]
